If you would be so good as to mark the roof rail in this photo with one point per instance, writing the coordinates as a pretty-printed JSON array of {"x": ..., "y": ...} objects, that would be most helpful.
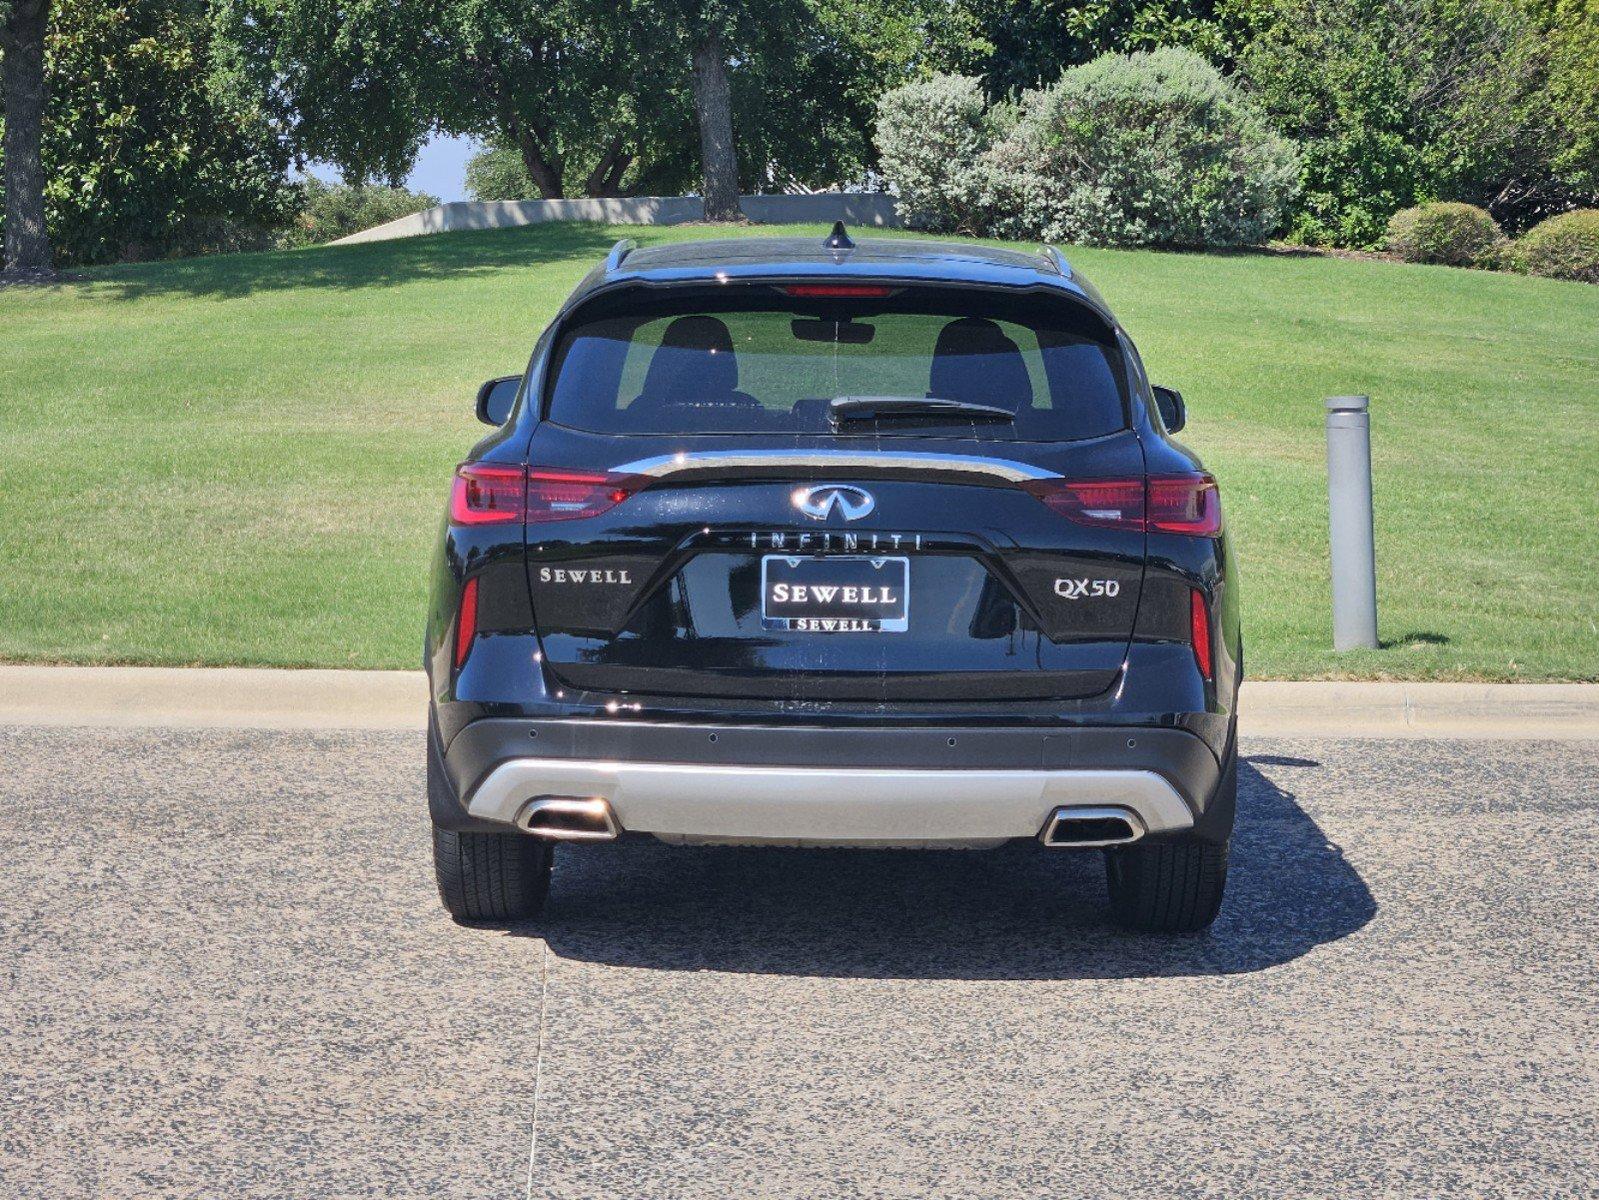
[
  {"x": 1058, "y": 261},
  {"x": 621, "y": 250}
]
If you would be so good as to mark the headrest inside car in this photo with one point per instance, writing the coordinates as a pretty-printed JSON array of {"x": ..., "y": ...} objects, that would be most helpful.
[{"x": 975, "y": 362}]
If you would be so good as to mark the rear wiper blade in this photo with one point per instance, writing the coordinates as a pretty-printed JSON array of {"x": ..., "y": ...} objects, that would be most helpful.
[{"x": 912, "y": 408}]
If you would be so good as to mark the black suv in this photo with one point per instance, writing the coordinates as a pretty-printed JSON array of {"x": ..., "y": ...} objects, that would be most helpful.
[{"x": 811, "y": 543}]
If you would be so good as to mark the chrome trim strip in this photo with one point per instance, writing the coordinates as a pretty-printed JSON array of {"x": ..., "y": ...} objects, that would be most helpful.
[
  {"x": 904, "y": 460},
  {"x": 847, "y": 806},
  {"x": 1092, "y": 813}
]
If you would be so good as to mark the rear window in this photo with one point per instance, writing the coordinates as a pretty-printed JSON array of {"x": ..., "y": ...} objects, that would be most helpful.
[{"x": 758, "y": 360}]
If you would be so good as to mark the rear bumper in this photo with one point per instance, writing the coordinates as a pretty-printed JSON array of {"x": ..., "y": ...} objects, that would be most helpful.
[
  {"x": 933, "y": 785},
  {"x": 693, "y": 802}
]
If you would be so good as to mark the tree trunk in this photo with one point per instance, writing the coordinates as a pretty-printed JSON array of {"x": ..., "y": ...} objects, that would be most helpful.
[
  {"x": 713, "y": 105},
  {"x": 545, "y": 173},
  {"x": 606, "y": 177},
  {"x": 27, "y": 246},
  {"x": 613, "y": 179}
]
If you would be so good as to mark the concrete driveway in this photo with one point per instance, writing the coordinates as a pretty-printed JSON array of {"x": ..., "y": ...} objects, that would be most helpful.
[{"x": 226, "y": 975}]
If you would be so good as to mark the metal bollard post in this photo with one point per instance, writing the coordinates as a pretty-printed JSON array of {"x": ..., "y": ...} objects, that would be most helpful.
[{"x": 1354, "y": 560}]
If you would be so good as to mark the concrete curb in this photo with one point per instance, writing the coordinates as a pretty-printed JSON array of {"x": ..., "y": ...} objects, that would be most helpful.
[
  {"x": 1424, "y": 710},
  {"x": 212, "y": 697},
  {"x": 257, "y": 698}
]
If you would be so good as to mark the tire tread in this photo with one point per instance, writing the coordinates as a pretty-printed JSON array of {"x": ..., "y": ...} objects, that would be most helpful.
[
  {"x": 491, "y": 876},
  {"x": 1167, "y": 886}
]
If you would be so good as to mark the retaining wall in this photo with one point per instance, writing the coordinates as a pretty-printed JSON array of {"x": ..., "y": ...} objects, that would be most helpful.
[{"x": 853, "y": 208}]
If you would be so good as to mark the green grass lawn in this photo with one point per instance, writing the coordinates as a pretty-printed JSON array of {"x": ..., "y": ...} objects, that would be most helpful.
[{"x": 243, "y": 459}]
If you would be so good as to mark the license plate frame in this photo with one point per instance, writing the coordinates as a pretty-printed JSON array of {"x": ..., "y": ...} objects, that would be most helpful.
[{"x": 832, "y": 613}]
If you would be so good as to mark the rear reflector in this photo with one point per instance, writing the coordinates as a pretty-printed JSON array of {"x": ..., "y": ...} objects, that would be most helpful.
[
  {"x": 1187, "y": 504},
  {"x": 1199, "y": 631},
  {"x": 490, "y": 494},
  {"x": 466, "y": 621},
  {"x": 836, "y": 289}
]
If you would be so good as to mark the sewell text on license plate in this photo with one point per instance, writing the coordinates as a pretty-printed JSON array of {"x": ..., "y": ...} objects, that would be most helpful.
[{"x": 835, "y": 593}]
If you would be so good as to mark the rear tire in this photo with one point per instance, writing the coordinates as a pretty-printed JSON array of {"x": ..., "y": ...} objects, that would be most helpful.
[
  {"x": 1173, "y": 886},
  {"x": 491, "y": 876}
]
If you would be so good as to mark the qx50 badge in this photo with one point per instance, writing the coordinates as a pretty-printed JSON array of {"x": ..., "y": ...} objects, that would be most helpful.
[
  {"x": 1076, "y": 589},
  {"x": 819, "y": 502}
]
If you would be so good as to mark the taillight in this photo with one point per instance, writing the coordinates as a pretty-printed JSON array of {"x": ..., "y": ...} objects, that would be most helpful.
[
  {"x": 1184, "y": 504},
  {"x": 488, "y": 494},
  {"x": 1163, "y": 504},
  {"x": 567, "y": 495},
  {"x": 466, "y": 621},
  {"x": 1199, "y": 632},
  {"x": 1115, "y": 503}
]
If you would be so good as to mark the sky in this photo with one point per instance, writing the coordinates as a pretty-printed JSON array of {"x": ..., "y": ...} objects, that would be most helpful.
[{"x": 441, "y": 168}]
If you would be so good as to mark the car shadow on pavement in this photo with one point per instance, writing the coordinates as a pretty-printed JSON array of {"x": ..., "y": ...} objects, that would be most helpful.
[{"x": 1013, "y": 913}]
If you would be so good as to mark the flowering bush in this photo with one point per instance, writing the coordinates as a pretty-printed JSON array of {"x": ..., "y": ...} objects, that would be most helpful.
[{"x": 1146, "y": 149}]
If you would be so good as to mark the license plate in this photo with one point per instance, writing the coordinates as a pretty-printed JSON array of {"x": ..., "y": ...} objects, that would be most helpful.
[{"x": 835, "y": 593}]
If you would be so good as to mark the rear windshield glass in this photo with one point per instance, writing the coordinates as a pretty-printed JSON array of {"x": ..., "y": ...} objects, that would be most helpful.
[{"x": 758, "y": 360}]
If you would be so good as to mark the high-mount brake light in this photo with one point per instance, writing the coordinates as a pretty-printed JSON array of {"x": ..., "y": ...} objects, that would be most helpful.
[
  {"x": 837, "y": 289},
  {"x": 1188, "y": 504},
  {"x": 1199, "y": 632},
  {"x": 555, "y": 495},
  {"x": 466, "y": 622},
  {"x": 488, "y": 494}
]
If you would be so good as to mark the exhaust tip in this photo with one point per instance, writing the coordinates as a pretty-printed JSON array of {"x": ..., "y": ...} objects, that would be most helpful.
[
  {"x": 1087, "y": 828},
  {"x": 569, "y": 819}
]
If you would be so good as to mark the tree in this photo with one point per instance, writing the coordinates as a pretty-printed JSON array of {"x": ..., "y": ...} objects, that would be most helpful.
[
  {"x": 341, "y": 78},
  {"x": 760, "y": 38},
  {"x": 22, "y": 26},
  {"x": 806, "y": 115},
  {"x": 713, "y": 109},
  {"x": 1569, "y": 32},
  {"x": 592, "y": 97},
  {"x": 1394, "y": 102},
  {"x": 571, "y": 86},
  {"x": 151, "y": 145},
  {"x": 1019, "y": 45}
]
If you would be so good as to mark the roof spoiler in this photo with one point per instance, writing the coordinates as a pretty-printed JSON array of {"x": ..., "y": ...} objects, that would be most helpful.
[
  {"x": 613, "y": 260},
  {"x": 1058, "y": 260}
]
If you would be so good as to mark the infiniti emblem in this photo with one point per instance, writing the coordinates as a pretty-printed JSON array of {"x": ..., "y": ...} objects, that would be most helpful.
[{"x": 819, "y": 502}]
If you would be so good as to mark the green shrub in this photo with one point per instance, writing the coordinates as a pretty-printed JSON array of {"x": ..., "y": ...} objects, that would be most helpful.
[
  {"x": 931, "y": 136},
  {"x": 335, "y": 210},
  {"x": 1147, "y": 149},
  {"x": 497, "y": 173},
  {"x": 1563, "y": 247},
  {"x": 1457, "y": 235}
]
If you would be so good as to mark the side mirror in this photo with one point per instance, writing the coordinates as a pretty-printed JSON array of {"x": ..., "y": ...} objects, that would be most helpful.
[
  {"x": 496, "y": 398},
  {"x": 1173, "y": 412}
]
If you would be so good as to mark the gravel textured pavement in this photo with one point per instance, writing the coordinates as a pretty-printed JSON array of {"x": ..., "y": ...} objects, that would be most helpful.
[{"x": 226, "y": 974}]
